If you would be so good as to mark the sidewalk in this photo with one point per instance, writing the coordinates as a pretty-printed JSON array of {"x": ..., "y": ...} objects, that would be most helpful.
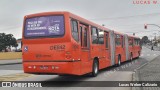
[
  {"x": 148, "y": 72},
  {"x": 154, "y": 47},
  {"x": 8, "y": 62}
]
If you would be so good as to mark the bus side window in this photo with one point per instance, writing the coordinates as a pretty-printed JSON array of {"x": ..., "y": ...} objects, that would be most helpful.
[
  {"x": 74, "y": 25},
  {"x": 94, "y": 34},
  {"x": 81, "y": 37},
  {"x": 130, "y": 42},
  {"x": 101, "y": 37},
  {"x": 137, "y": 42},
  {"x": 118, "y": 40},
  {"x": 85, "y": 37}
]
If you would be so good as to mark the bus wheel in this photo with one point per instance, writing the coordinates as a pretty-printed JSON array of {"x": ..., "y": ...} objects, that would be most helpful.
[
  {"x": 138, "y": 54},
  {"x": 131, "y": 57},
  {"x": 95, "y": 68},
  {"x": 119, "y": 60}
]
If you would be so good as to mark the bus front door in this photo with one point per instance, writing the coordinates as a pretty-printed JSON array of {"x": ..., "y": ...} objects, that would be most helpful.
[
  {"x": 107, "y": 49},
  {"x": 84, "y": 38}
]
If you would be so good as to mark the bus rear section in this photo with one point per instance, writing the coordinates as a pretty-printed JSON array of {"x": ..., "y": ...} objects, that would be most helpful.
[
  {"x": 48, "y": 46},
  {"x": 134, "y": 47}
]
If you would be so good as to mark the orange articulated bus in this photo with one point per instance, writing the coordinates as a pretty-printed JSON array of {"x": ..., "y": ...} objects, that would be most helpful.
[{"x": 64, "y": 43}]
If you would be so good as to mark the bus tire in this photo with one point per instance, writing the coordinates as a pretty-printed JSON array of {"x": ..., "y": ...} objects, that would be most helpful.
[
  {"x": 131, "y": 57},
  {"x": 95, "y": 68},
  {"x": 119, "y": 60},
  {"x": 138, "y": 54}
]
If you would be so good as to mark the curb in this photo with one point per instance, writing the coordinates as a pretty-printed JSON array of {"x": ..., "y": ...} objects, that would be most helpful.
[
  {"x": 10, "y": 63},
  {"x": 150, "y": 48},
  {"x": 146, "y": 63},
  {"x": 11, "y": 59},
  {"x": 135, "y": 74}
]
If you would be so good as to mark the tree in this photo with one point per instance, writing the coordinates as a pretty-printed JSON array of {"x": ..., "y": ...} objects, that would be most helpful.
[
  {"x": 6, "y": 41},
  {"x": 145, "y": 40}
]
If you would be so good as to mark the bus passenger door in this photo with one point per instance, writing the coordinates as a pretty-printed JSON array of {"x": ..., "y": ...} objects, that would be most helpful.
[
  {"x": 84, "y": 37},
  {"x": 126, "y": 44},
  {"x": 107, "y": 49},
  {"x": 123, "y": 56}
]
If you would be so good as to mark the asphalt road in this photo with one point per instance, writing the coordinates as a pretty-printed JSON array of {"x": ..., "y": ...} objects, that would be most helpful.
[{"x": 121, "y": 73}]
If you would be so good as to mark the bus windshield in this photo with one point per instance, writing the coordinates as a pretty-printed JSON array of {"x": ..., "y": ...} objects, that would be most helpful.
[{"x": 44, "y": 26}]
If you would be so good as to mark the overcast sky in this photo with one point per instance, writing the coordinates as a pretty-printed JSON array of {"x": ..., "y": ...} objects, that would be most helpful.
[{"x": 119, "y": 15}]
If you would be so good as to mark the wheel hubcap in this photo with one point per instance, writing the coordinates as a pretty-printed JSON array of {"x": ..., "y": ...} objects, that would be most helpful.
[
  {"x": 96, "y": 68},
  {"x": 119, "y": 62},
  {"x": 131, "y": 57}
]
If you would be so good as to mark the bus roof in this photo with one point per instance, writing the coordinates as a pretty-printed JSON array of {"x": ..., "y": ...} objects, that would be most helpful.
[
  {"x": 126, "y": 34},
  {"x": 88, "y": 22},
  {"x": 83, "y": 20},
  {"x": 133, "y": 36},
  {"x": 70, "y": 15}
]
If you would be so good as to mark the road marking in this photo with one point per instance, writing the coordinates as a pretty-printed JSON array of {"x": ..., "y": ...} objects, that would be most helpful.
[
  {"x": 14, "y": 77},
  {"x": 154, "y": 54},
  {"x": 148, "y": 54}
]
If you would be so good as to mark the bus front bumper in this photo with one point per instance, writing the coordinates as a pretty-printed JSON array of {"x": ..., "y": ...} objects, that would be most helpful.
[{"x": 60, "y": 68}]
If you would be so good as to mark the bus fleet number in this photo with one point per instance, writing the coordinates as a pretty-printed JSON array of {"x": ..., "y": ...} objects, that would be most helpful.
[{"x": 57, "y": 47}]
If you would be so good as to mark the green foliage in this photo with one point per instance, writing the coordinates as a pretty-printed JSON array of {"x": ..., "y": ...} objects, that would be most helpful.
[
  {"x": 145, "y": 39},
  {"x": 7, "y": 40}
]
